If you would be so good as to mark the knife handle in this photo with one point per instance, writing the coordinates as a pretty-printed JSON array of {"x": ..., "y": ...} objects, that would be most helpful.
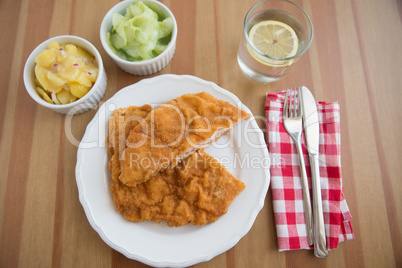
[
  {"x": 308, "y": 214},
  {"x": 320, "y": 245}
]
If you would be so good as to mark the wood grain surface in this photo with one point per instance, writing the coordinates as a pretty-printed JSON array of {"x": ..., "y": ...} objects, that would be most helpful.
[{"x": 354, "y": 58}]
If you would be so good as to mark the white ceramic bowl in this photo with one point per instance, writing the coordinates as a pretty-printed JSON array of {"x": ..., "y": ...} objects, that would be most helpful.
[
  {"x": 90, "y": 100},
  {"x": 145, "y": 67}
]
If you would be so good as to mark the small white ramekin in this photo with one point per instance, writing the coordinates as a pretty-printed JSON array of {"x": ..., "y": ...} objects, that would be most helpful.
[
  {"x": 90, "y": 100},
  {"x": 145, "y": 67}
]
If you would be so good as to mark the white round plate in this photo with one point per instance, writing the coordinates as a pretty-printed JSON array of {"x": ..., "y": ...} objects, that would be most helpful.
[{"x": 243, "y": 152}]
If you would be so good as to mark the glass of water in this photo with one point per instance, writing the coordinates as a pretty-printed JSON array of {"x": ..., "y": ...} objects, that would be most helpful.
[{"x": 275, "y": 34}]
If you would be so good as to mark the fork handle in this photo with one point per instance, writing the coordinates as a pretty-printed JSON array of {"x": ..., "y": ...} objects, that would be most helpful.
[
  {"x": 306, "y": 196},
  {"x": 320, "y": 245}
]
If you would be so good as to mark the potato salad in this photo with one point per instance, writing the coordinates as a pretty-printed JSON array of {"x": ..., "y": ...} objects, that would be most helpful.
[{"x": 64, "y": 73}]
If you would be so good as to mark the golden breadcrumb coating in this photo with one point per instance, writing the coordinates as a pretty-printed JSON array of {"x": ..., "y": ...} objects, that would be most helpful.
[
  {"x": 173, "y": 131},
  {"x": 198, "y": 190}
]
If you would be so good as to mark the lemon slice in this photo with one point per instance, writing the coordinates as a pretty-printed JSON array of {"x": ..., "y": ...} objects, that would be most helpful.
[{"x": 275, "y": 39}]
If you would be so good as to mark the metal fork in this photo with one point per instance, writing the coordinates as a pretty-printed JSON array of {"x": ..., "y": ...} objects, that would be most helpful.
[{"x": 292, "y": 120}]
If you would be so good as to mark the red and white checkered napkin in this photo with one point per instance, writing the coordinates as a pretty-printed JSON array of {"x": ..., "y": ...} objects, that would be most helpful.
[{"x": 286, "y": 187}]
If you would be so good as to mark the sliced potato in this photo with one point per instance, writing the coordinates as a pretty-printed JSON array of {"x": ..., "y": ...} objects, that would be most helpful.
[
  {"x": 72, "y": 49},
  {"x": 55, "y": 80},
  {"x": 41, "y": 75},
  {"x": 83, "y": 80},
  {"x": 44, "y": 96},
  {"x": 65, "y": 96},
  {"x": 82, "y": 53},
  {"x": 78, "y": 90},
  {"x": 70, "y": 73},
  {"x": 54, "y": 45},
  {"x": 46, "y": 58},
  {"x": 91, "y": 72}
]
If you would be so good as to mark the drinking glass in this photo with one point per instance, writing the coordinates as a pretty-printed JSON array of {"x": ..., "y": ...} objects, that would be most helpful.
[{"x": 279, "y": 17}]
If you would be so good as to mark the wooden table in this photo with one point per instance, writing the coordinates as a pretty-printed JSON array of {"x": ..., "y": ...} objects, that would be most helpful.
[{"x": 355, "y": 58}]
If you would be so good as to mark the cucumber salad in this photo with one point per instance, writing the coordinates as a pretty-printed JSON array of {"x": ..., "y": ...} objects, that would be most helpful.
[{"x": 142, "y": 33}]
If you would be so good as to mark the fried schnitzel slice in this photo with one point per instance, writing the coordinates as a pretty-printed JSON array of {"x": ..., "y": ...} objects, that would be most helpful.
[
  {"x": 198, "y": 190},
  {"x": 173, "y": 131},
  {"x": 121, "y": 122}
]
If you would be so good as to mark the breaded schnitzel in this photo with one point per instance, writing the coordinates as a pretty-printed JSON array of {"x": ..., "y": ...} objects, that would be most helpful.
[
  {"x": 173, "y": 131},
  {"x": 198, "y": 190},
  {"x": 121, "y": 122}
]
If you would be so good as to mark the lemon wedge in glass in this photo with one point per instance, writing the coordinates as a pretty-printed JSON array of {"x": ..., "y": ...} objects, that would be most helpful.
[{"x": 275, "y": 39}]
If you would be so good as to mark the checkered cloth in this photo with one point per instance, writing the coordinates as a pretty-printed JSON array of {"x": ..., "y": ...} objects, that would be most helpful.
[{"x": 286, "y": 187}]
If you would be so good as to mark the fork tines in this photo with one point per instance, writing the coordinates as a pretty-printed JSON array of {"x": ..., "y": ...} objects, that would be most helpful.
[{"x": 293, "y": 99}]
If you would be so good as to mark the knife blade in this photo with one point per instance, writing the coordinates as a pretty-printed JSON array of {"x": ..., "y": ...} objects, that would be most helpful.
[{"x": 312, "y": 135}]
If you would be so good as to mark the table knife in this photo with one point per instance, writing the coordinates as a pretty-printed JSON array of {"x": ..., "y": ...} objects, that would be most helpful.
[{"x": 312, "y": 134}]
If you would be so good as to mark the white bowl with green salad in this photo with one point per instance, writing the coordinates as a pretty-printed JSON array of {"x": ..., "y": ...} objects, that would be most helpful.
[{"x": 140, "y": 36}]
